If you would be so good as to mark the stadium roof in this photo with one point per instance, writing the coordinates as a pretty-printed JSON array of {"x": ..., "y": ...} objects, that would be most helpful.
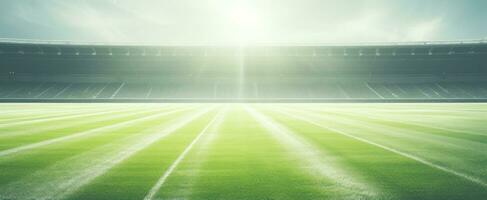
[{"x": 94, "y": 43}]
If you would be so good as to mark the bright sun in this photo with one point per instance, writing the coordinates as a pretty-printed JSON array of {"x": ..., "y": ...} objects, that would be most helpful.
[
  {"x": 245, "y": 21},
  {"x": 244, "y": 17}
]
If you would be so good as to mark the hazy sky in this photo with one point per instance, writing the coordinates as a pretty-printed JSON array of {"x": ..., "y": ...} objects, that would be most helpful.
[{"x": 234, "y": 21}]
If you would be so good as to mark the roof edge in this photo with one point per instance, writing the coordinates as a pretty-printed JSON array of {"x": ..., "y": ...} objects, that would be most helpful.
[{"x": 82, "y": 43}]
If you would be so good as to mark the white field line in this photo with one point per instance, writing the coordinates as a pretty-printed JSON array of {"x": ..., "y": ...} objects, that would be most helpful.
[
  {"x": 36, "y": 114},
  {"x": 412, "y": 134},
  {"x": 215, "y": 122},
  {"x": 21, "y": 111},
  {"x": 8, "y": 118},
  {"x": 407, "y": 155},
  {"x": 460, "y": 114},
  {"x": 393, "y": 109},
  {"x": 391, "y": 119},
  {"x": 48, "y": 118},
  {"x": 103, "y": 117},
  {"x": 37, "y": 119},
  {"x": 320, "y": 163},
  {"x": 470, "y": 147},
  {"x": 66, "y": 177},
  {"x": 85, "y": 133},
  {"x": 405, "y": 121},
  {"x": 185, "y": 190},
  {"x": 62, "y": 117}
]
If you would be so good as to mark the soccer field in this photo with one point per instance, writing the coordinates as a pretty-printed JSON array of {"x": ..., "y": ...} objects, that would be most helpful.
[{"x": 243, "y": 151}]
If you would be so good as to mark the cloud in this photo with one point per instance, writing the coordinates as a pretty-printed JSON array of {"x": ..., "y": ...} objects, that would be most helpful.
[
  {"x": 293, "y": 21},
  {"x": 87, "y": 20},
  {"x": 426, "y": 30}
]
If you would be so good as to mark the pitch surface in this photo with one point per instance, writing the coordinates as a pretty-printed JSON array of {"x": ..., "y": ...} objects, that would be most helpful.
[{"x": 243, "y": 151}]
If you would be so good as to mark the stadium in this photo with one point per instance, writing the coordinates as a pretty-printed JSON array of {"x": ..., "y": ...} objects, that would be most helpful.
[
  {"x": 442, "y": 71},
  {"x": 299, "y": 119}
]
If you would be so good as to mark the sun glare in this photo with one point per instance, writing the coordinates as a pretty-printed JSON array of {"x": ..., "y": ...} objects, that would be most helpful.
[
  {"x": 244, "y": 17},
  {"x": 245, "y": 22}
]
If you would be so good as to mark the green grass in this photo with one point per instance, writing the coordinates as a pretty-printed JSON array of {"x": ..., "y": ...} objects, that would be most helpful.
[{"x": 243, "y": 151}]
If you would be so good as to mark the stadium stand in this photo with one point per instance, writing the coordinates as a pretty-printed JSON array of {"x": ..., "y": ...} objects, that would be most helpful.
[{"x": 441, "y": 71}]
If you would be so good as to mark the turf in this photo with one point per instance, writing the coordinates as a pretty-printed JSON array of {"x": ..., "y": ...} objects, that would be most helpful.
[{"x": 243, "y": 151}]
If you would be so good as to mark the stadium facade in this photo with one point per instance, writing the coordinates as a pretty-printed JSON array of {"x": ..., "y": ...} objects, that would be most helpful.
[{"x": 61, "y": 71}]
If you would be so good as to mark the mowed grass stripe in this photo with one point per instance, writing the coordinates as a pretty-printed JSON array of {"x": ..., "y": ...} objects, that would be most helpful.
[
  {"x": 213, "y": 124},
  {"x": 6, "y": 118},
  {"x": 73, "y": 119},
  {"x": 84, "y": 133},
  {"x": 31, "y": 115},
  {"x": 308, "y": 119},
  {"x": 134, "y": 177},
  {"x": 66, "y": 177},
  {"x": 394, "y": 110},
  {"x": 56, "y": 130},
  {"x": 136, "y": 146},
  {"x": 85, "y": 149},
  {"x": 23, "y": 109},
  {"x": 243, "y": 162},
  {"x": 53, "y": 118},
  {"x": 427, "y": 123},
  {"x": 183, "y": 178},
  {"x": 403, "y": 124},
  {"x": 316, "y": 161},
  {"x": 398, "y": 177},
  {"x": 54, "y": 109},
  {"x": 443, "y": 142},
  {"x": 28, "y": 116},
  {"x": 451, "y": 142},
  {"x": 448, "y": 117},
  {"x": 463, "y": 156},
  {"x": 30, "y": 129}
]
